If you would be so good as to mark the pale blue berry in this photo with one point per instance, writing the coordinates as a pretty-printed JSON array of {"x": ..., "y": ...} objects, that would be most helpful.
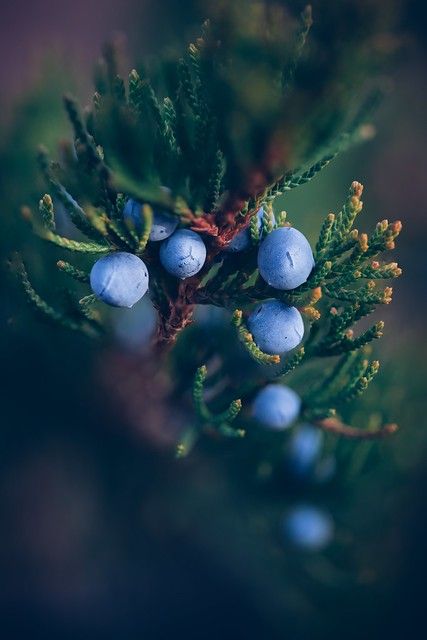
[
  {"x": 285, "y": 258},
  {"x": 119, "y": 279},
  {"x": 242, "y": 240},
  {"x": 276, "y": 407},
  {"x": 304, "y": 449},
  {"x": 308, "y": 527},
  {"x": 164, "y": 223},
  {"x": 183, "y": 254},
  {"x": 276, "y": 327}
]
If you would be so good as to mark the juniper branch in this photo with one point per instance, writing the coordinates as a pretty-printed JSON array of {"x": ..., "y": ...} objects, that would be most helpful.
[
  {"x": 335, "y": 426},
  {"x": 74, "y": 245},
  {"x": 74, "y": 272},
  {"x": 76, "y": 213},
  {"x": 47, "y": 213},
  {"x": 221, "y": 419},
  {"x": 292, "y": 363},
  {"x": 45, "y": 309},
  {"x": 247, "y": 340}
]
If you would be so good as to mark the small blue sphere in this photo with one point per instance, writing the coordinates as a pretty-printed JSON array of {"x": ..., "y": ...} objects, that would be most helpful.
[
  {"x": 285, "y": 258},
  {"x": 276, "y": 327},
  {"x": 183, "y": 254},
  {"x": 276, "y": 407},
  {"x": 132, "y": 212},
  {"x": 242, "y": 240},
  {"x": 304, "y": 449},
  {"x": 119, "y": 279},
  {"x": 164, "y": 223},
  {"x": 308, "y": 527}
]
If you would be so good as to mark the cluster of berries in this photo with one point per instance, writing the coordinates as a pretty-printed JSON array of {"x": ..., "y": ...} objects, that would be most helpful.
[
  {"x": 308, "y": 526},
  {"x": 121, "y": 279},
  {"x": 285, "y": 261}
]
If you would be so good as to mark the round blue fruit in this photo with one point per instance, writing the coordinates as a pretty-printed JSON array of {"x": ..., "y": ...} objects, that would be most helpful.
[
  {"x": 183, "y": 254},
  {"x": 276, "y": 327},
  {"x": 119, "y": 279},
  {"x": 308, "y": 527},
  {"x": 276, "y": 407},
  {"x": 285, "y": 258},
  {"x": 304, "y": 449},
  {"x": 242, "y": 240},
  {"x": 164, "y": 223}
]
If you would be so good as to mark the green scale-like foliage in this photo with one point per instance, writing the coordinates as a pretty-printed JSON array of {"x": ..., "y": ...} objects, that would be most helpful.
[{"x": 228, "y": 128}]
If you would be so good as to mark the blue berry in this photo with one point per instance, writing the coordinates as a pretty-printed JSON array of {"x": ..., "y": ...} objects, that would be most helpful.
[
  {"x": 242, "y": 240},
  {"x": 304, "y": 449},
  {"x": 276, "y": 327},
  {"x": 164, "y": 223},
  {"x": 308, "y": 527},
  {"x": 276, "y": 407},
  {"x": 119, "y": 279},
  {"x": 285, "y": 258},
  {"x": 183, "y": 254}
]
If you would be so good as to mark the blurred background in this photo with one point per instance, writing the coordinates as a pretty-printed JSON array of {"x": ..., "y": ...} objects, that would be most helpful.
[{"x": 103, "y": 533}]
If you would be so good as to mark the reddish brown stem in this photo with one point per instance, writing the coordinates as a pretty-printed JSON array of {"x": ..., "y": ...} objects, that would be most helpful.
[
  {"x": 178, "y": 316},
  {"x": 333, "y": 425},
  {"x": 169, "y": 328}
]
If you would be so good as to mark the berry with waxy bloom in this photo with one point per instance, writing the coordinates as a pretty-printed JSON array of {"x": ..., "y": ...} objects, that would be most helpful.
[
  {"x": 183, "y": 254},
  {"x": 276, "y": 327},
  {"x": 164, "y": 223},
  {"x": 285, "y": 258},
  {"x": 276, "y": 407},
  {"x": 119, "y": 279}
]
